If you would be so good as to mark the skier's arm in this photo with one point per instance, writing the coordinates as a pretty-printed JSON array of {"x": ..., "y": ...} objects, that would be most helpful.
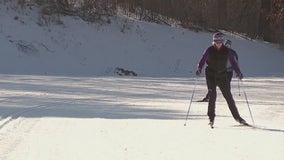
[
  {"x": 234, "y": 53},
  {"x": 202, "y": 60},
  {"x": 234, "y": 64}
]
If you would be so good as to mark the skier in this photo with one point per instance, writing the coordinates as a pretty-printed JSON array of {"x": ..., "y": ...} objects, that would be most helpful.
[
  {"x": 228, "y": 44},
  {"x": 216, "y": 57}
]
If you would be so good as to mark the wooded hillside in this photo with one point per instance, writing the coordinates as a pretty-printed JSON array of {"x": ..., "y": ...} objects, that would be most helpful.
[{"x": 262, "y": 19}]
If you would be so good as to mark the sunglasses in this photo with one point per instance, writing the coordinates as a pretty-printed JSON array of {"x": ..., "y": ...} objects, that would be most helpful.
[{"x": 218, "y": 41}]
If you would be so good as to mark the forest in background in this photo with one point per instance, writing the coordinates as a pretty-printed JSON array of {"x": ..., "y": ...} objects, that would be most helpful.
[{"x": 256, "y": 19}]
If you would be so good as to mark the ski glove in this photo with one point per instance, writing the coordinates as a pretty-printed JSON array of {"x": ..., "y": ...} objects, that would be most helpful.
[
  {"x": 240, "y": 76},
  {"x": 198, "y": 71}
]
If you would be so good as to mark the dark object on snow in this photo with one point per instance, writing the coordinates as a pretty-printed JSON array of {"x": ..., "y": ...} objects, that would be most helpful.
[{"x": 124, "y": 72}]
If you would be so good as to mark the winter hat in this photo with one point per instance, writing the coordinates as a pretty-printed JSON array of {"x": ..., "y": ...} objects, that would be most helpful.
[
  {"x": 228, "y": 43},
  {"x": 218, "y": 37}
]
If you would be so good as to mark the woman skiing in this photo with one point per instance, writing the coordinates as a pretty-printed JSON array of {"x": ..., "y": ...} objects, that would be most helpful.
[
  {"x": 216, "y": 57},
  {"x": 228, "y": 44}
]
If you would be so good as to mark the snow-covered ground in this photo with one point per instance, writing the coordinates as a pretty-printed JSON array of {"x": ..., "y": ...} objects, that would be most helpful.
[
  {"x": 52, "y": 117},
  {"x": 60, "y": 99}
]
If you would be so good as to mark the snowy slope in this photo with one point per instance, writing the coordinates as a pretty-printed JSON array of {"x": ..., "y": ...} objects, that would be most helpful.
[
  {"x": 77, "y": 48},
  {"x": 59, "y": 100}
]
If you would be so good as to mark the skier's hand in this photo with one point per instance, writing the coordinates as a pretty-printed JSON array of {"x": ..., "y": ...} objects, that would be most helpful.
[
  {"x": 240, "y": 76},
  {"x": 198, "y": 71}
]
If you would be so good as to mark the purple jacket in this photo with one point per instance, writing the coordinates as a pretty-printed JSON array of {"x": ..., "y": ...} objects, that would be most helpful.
[{"x": 217, "y": 60}]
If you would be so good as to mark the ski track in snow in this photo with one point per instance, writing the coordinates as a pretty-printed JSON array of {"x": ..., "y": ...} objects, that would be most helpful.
[{"x": 53, "y": 117}]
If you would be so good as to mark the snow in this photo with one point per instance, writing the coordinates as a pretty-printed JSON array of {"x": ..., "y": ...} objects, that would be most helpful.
[{"x": 60, "y": 98}]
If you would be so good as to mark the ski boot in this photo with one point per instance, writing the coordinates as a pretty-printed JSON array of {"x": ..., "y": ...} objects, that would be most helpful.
[
  {"x": 211, "y": 123},
  {"x": 242, "y": 121}
]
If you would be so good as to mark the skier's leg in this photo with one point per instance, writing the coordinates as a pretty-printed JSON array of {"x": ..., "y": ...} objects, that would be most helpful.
[
  {"x": 206, "y": 98},
  {"x": 211, "y": 85},
  {"x": 224, "y": 85},
  {"x": 230, "y": 76},
  {"x": 211, "y": 104}
]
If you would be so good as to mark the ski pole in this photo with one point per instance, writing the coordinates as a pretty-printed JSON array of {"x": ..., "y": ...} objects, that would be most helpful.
[
  {"x": 190, "y": 102},
  {"x": 239, "y": 87},
  {"x": 248, "y": 106}
]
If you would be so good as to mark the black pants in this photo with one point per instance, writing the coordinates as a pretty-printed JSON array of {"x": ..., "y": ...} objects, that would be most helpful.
[
  {"x": 214, "y": 79},
  {"x": 230, "y": 76}
]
